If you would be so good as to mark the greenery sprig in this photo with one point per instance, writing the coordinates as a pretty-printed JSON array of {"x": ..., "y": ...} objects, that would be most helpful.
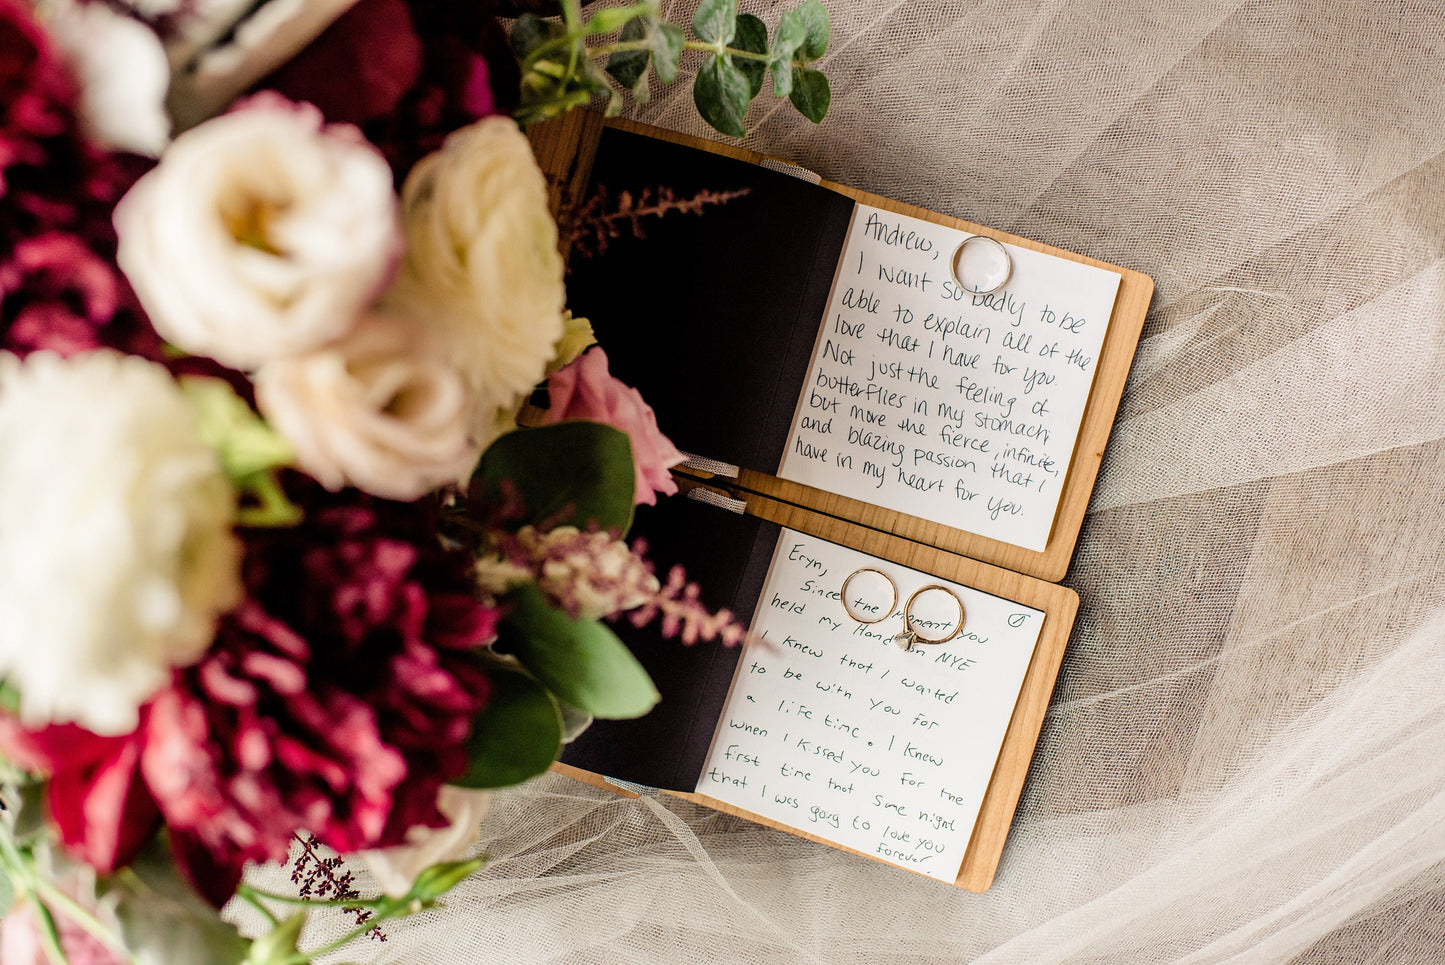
[{"x": 562, "y": 70}]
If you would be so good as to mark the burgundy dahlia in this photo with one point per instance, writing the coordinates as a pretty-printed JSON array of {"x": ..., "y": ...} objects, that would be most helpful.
[
  {"x": 337, "y": 699},
  {"x": 59, "y": 288}
]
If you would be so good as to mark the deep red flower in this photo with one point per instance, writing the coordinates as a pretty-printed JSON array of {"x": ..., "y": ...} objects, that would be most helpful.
[
  {"x": 102, "y": 809},
  {"x": 409, "y": 71},
  {"x": 337, "y": 699},
  {"x": 59, "y": 288},
  {"x": 359, "y": 67}
]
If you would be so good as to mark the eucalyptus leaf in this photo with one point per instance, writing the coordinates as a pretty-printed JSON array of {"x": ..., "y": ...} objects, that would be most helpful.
[
  {"x": 628, "y": 67},
  {"x": 667, "y": 44},
  {"x": 592, "y": 77},
  {"x": 517, "y": 736},
  {"x": 572, "y": 472},
  {"x": 814, "y": 17},
  {"x": 715, "y": 20},
  {"x": 162, "y": 919},
  {"x": 574, "y": 722},
  {"x": 791, "y": 33},
  {"x": 609, "y": 19},
  {"x": 720, "y": 92},
  {"x": 811, "y": 94},
  {"x": 752, "y": 36},
  {"x": 580, "y": 661},
  {"x": 530, "y": 32}
]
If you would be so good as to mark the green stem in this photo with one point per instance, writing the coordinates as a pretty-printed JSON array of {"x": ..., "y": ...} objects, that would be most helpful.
[
  {"x": 719, "y": 49},
  {"x": 49, "y": 932},
  {"x": 82, "y": 917},
  {"x": 371, "y": 904},
  {"x": 301, "y": 958},
  {"x": 244, "y": 894},
  {"x": 620, "y": 47}
]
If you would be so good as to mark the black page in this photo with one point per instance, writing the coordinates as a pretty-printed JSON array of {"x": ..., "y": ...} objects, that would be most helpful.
[
  {"x": 728, "y": 556},
  {"x": 712, "y": 316}
]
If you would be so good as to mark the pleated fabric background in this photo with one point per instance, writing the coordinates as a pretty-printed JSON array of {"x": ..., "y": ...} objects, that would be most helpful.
[{"x": 1244, "y": 759}]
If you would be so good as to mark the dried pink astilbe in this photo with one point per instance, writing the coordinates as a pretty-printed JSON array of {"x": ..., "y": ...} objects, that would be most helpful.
[
  {"x": 597, "y": 220},
  {"x": 685, "y": 616},
  {"x": 597, "y": 575}
]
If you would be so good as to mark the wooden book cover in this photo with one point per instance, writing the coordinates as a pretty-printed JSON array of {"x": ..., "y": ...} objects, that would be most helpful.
[{"x": 856, "y": 407}]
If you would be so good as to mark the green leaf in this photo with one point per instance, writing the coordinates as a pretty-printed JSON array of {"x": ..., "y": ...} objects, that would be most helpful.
[
  {"x": 9, "y": 697},
  {"x": 628, "y": 67},
  {"x": 278, "y": 946},
  {"x": 608, "y": 19},
  {"x": 592, "y": 77},
  {"x": 530, "y": 32},
  {"x": 814, "y": 17},
  {"x": 811, "y": 95},
  {"x": 667, "y": 51},
  {"x": 792, "y": 31},
  {"x": 7, "y": 895},
  {"x": 580, "y": 661},
  {"x": 752, "y": 36},
  {"x": 720, "y": 92},
  {"x": 250, "y": 450},
  {"x": 162, "y": 919},
  {"x": 577, "y": 473},
  {"x": 518, "y": 736},
  {"x": 437, "y": 880},
  {"x": 716, "y": 20}
]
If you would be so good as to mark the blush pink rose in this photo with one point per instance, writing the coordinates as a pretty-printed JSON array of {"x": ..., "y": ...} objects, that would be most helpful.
[{"x": 585, "y": 389}]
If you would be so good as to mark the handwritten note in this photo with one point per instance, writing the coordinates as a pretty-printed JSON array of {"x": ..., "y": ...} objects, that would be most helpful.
[
  {"x": 830, "y": 728},
  {"x": 962, "y": 409}
]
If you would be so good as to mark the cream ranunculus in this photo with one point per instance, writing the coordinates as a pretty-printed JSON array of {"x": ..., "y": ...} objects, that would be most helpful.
[
  {"x": 482, "y": 267},
  {"x": 261, "y": 233},
  {"x": 116, "y": 550},
  {"x": 380, "y": 409}
]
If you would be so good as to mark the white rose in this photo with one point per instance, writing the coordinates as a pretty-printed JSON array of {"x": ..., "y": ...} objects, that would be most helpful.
[
  {"x": 379, "y": 409},
  {"x": 259, "y": 234},
  {"x": 482, "y": 266},
  {"x": 116, "y": 550},
  {"x": 123, "y": 74},
  {"x": 397, "y": 867}
]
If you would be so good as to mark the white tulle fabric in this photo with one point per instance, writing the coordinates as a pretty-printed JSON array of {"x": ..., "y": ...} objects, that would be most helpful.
[{"x": 1244, "y": 760}]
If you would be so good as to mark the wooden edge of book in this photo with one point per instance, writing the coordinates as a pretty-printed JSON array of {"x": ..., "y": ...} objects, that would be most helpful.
[
  {"x": 565, "y": 149},
  {"x": 1060, "y": 606}
]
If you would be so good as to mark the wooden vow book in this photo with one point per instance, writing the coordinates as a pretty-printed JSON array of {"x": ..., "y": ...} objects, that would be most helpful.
[{"x": 848, "y": 406}]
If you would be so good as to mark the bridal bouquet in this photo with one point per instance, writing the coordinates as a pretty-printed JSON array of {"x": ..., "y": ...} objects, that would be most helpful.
[{"x": 276, "y": 565}]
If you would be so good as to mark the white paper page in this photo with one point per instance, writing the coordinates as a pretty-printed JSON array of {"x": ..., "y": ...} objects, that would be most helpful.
[
  {"x": 961, "y": 409},
  {"x": 831, "y": 728}
]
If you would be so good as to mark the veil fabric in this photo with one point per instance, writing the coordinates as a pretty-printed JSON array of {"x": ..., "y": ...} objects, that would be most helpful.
[{"x": 1244, "y": 758}]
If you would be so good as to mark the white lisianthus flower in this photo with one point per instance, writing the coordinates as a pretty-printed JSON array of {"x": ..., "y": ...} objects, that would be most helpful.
[
  {"x": 380, "y": 409},
  {"x": 261, "y": 233},
  {"x": 482, "y": 267},
  {"x": 123, "y": 74},
  {"x": 396, "y": 868},
  {"x": 116, "y": 550}
]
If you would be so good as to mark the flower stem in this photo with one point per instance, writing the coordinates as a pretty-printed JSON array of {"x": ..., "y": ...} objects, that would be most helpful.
[
  {"x": 83, "y": 918},
  {"x": 246, "y": 895},
  {"x": 252, "y": 894},
  {"x": 719, "y": 49},
  {"x": 49, "y": 933},
  {"x": 392, "y": 910}
]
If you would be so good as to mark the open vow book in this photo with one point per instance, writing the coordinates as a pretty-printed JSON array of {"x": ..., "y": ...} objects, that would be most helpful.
[{"x": 850, "y": 405}]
